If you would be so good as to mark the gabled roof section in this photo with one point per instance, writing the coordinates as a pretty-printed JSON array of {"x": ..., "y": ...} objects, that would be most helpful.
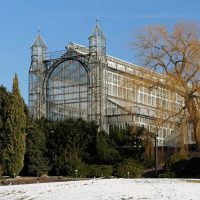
[
  {"x": 97, "y": 30},
  {"x": 122, "y": 65},
  {"x": 39, "y": 41}
]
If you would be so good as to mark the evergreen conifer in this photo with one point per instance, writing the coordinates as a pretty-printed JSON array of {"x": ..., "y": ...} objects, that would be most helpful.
[{"x": 15, "y": 133}]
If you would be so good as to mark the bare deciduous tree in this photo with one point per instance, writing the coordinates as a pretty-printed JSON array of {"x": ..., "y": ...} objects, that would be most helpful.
[{"x": 176, "y": 54}]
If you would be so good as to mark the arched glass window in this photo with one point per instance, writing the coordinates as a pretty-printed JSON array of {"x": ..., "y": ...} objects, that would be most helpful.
[{"x": 67, "y": 91}]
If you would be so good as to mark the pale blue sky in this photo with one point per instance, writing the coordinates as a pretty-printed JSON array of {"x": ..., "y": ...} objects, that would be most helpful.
[{"x": 64, "y": 21}]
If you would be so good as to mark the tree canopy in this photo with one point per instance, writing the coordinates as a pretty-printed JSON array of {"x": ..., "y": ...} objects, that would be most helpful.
[{"x": 175, "y": 53}]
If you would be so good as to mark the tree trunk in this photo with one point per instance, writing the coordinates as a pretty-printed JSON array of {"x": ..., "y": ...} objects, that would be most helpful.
[
  {"x": 193, "y": 109},
  {"x": 197, "y": 133}
]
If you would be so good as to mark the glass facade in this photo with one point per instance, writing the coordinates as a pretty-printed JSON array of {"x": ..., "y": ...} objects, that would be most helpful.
[
  {"x": 149, "y": 106},
  {"x": 67, "y": 91},
  {"x": 110, "y": 91}
]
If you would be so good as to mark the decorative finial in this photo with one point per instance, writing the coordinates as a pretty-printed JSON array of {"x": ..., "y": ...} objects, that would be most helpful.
[
  {"x": 97, "y": 20},
  {"x": 38, "y": 30}
]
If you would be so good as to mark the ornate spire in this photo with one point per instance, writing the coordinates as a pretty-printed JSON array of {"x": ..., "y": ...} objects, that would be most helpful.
[
  {"x": 39, "y": 41},
  {"x": 97, "y": 30},
  {"x": 97, "y": 39}
]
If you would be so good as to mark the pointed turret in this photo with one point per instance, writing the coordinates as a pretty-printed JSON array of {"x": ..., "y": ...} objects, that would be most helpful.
[
  {"x": 98, "y": 76},
  {"x": 39, "y": 47},
  {"x": 39, "y": 41},
  {"x": 36, "y": 76},
  {"x": 97, "y": 40}
]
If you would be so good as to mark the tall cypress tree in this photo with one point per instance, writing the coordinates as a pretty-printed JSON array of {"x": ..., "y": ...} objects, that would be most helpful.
[{"x": 15, "y": 133}]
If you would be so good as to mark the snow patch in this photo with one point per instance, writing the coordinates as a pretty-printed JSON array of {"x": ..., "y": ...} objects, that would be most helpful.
[{"x": 106, "y": 189}]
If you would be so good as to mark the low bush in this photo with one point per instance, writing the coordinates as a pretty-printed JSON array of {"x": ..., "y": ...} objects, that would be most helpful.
[
  {"x": 99, "y": 171},
  {"x": 176, "y": 165},
  {"x": 129, "y": 168},
  {"x": 172, "y": 161}
]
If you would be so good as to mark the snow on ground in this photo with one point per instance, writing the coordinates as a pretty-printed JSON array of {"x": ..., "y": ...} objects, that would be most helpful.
[{"x": 106, "y": 189}]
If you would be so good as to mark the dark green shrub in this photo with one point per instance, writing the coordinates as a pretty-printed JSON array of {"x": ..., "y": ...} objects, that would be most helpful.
[
  {"x": 68, "y": 164},
  {"x": 167, "y": 175},
  {"x": 106, "y": 149},
  {"x": 99, "y": 171},
  {"x": 176, "y": 163},
  {"x": 174, "y": 159},
  {"x": 129, "y": 168},
  {"x": 36, "y": 162}
]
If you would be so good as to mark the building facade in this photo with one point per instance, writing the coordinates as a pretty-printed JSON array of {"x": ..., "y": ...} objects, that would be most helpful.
[{"x": 88, "y": 83}]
